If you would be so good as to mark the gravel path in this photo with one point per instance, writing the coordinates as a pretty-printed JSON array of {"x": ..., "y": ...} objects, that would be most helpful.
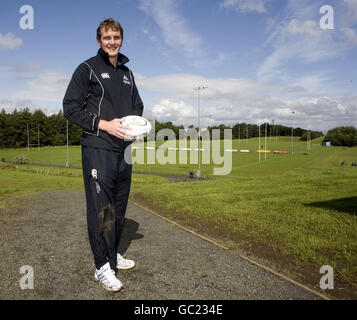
[{"x": 49, "y": 233}]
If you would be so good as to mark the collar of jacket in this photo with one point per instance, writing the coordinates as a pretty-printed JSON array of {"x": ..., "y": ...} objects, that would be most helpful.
[{"x": 121, "y": 58}]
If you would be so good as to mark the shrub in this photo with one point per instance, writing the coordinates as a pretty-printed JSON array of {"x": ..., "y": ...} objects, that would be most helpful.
[
  {"x": 20, "y": 160},
  {"x": 342, "y": 136}
]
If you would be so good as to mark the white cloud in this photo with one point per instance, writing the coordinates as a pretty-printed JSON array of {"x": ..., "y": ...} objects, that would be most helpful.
[
  {"x": 281, "y": 63},
  {"x": 218, "y": 88},
  {"x": 21, "y": 67},
  {"x": 318, "y": 84},
  {"x": 9, "y": 105},
  {"x": 350, "y": 35},
  {"x": 320, "y": 113},
  {"x": 174, "y": 27},
  {"x": 244, "y": 6},
  {"x": 352, "y": 7},
  {"x": 177, "y": 33},
  {"x": 9, "y": 41},
  {"x": 231, "y": 101},
  {"x": 297, "y": 39},
  {"x": 44, "y": 91},
  {"x": 308, "y": 27},
  {"x": 169, "y": 109},
  {"x": 44, "y": 87},
  {"x": 20, "y": 104},
  {"x": 48, "y": 86}
]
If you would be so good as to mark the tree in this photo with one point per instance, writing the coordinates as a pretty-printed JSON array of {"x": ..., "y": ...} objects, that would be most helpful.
[
  {"x": 342, "y": 136},
  {"x": 313, "y": 135},
  {"x": 38, "y": 125},
  {"x": 16, "y": 128}
]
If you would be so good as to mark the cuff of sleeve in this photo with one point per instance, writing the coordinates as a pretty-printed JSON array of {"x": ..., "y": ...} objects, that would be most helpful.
[{"x": 96, "y": 123}]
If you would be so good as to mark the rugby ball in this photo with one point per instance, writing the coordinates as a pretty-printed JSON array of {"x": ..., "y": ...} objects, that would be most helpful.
[{"x": 140, "y": 127}]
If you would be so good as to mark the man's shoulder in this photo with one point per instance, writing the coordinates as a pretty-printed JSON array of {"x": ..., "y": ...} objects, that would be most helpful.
[
  {"x": 91, "y": 62},
  {"x": 125, "y": 68},
  {"x": 87, "y": 66}
]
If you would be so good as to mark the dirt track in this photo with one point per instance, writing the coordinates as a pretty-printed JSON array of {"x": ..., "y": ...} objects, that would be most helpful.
[{"x": 49, "y": 233}]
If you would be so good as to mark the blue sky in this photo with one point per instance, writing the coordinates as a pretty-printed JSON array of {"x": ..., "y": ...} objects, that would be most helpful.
[{"x": 261, "y": 60}]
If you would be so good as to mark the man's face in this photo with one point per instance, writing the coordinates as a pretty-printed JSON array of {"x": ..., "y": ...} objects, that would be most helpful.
[{"x": 110, "y": 41}]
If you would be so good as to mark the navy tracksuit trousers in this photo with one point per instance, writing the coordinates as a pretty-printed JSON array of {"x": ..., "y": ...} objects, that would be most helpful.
[{"x": 107, "y": 180}]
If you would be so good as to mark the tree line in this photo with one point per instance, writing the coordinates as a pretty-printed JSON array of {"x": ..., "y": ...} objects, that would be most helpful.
[
  {"x": 49, "y": 130},
  {"x": 18, "y": 126}
]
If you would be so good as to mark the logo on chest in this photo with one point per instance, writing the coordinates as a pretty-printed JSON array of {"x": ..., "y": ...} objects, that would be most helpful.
[
  {"x": 105, "y": 75},
  {"x": 126, "y": 80}
]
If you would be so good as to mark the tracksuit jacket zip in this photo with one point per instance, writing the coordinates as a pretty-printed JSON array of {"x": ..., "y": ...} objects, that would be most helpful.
[{"x": 98, "y": 90}]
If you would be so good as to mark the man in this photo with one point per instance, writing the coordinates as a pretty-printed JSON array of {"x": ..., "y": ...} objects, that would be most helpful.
[{"x": 101, "y": 92}]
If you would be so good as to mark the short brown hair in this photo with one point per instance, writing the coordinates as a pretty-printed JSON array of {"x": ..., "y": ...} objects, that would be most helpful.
[{"x": 109, "y": 24}]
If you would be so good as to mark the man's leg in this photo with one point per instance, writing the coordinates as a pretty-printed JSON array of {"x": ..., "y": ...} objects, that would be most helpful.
[
  {"x": 121, "y": 196},
  {"x": 99, "y": 165}
]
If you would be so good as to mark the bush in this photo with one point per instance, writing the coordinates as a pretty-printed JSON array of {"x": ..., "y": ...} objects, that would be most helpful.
[
  {"x": 21, "y": 160},
  {"x": 313, "y": 135},
  {"x": 342, "y": 136}
]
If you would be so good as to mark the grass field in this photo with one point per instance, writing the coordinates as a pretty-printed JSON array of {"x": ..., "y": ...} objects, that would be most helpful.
[{"x": 300, "y": 210}]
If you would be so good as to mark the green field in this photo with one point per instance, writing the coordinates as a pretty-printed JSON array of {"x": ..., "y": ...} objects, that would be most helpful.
[
  {"x": 298, "y": 210},
  {"x": 243, "y": 164}
]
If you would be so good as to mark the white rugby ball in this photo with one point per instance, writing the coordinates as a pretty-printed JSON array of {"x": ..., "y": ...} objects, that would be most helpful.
[{"x": 140, "y": 127}]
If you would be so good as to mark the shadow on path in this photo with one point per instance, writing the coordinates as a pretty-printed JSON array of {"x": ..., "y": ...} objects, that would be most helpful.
[{"x": 129, "y": 234}]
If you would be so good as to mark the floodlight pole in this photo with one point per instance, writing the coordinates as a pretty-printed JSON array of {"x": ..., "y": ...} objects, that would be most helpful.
[{"x": 199, "y": 128}]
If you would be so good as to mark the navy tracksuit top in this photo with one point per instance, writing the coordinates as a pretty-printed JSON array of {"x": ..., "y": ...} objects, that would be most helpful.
[{"x": 98, "y": 90}]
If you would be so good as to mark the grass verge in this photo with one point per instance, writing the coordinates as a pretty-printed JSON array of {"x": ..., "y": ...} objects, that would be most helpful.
[
  {"x": 20, "y": 181},
  {"x": 285, "y": 219}
]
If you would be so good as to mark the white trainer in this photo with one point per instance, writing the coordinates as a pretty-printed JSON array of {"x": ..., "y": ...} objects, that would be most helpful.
[
  {"x": 124, "y": 264},
  {"x": 106, "y": 277}
]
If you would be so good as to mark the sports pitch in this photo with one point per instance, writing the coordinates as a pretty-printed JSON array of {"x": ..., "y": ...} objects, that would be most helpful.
[{"x": 298, "y": 211}]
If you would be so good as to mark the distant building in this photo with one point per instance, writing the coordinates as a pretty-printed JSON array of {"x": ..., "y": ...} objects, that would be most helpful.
[{"x": 326, "y": 143}]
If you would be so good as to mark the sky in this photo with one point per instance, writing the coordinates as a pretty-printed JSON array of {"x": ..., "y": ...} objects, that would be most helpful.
[{"x": 279, "y": 61}]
